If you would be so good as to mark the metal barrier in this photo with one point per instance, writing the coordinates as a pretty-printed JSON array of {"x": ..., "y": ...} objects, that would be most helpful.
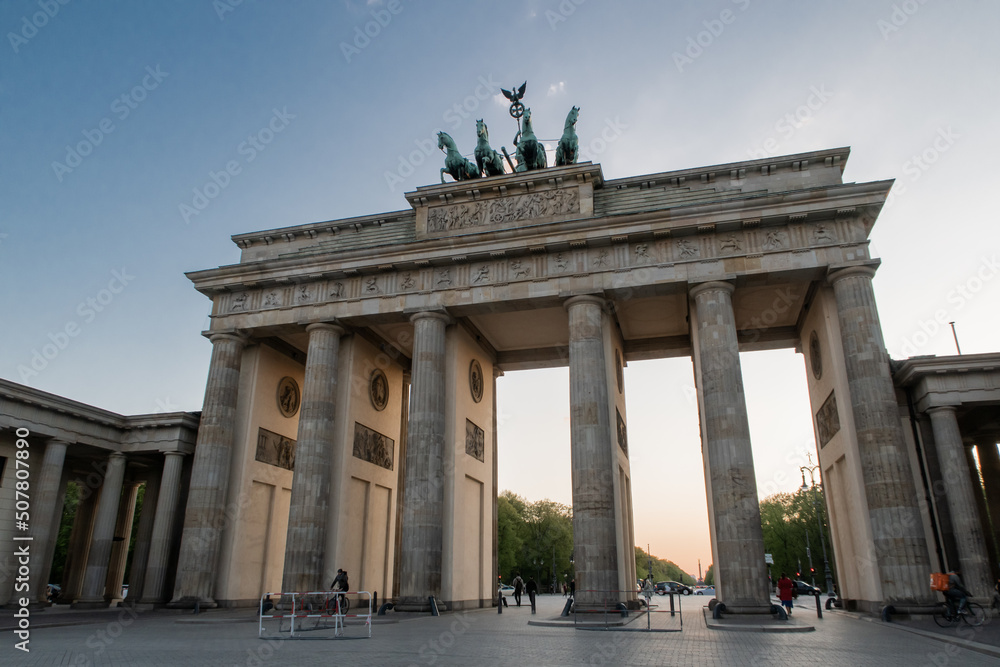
[
  {"x": 613, "y": 607},
  {"x": 301, "y": 610}
]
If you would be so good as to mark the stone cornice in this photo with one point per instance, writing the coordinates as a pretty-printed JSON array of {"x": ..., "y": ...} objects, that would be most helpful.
[
  {"x": 912, "y": 370},
  {"x": 314, "y": 229},
  {"x": 798, "y": 206},
  {"x": 121, "y": 425}
]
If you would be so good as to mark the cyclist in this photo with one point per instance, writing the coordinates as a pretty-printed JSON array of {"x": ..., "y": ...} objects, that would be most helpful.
[
  {"x": 957, "y": 595},
  {"x": 341, "y": 585}
]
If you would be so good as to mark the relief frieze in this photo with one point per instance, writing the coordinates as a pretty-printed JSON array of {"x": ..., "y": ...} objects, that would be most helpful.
[{"x": 503, "y": 210}]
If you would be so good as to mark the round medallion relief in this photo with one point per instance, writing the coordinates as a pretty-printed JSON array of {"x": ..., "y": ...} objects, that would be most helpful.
[
  {"x": 476, "y": 380},
  {"x": 288, "y": 396},
  {"x": 378, "y": 389},
  {"x": 815, "y": 357}
]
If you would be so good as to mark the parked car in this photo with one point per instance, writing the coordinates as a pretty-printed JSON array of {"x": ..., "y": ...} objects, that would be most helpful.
[
  {"x": 706, "y": 590},
  {"x": 506, "y": 589},
  {"x": 665, "y": 587},
  {"x": 802, "y": 588}
]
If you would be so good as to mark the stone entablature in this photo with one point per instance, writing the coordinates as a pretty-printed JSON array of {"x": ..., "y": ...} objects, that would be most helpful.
[
  {"x": 950, "y": 380},
  {"x": 514, "y": 200},
  {"x": 48, "y": 415}
]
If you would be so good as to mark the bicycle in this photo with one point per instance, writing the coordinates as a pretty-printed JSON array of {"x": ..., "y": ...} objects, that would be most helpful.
[
  {"x": 338, "y": 603},
  {"x": 948, "y": 615}
]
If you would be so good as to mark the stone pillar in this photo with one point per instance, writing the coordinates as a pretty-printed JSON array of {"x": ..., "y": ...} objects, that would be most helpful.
[
  {"x": 968, "y": 530},
  {"x": 46, "y": 517},
  {"x": 742, "y": 573},
  {"x": 592, "y": 453},
  {"x": 162, "y": 540},
  {"x": 989, "y": 537},
  {"x": 79, "y": 543},
  {"x": 423, "y": 506},
  {"x": 140, "y": 557},
  {"x": 120, "y": 543},
  {"x": 496, "y": 492},
  {"x": 897, "y": 529},
  {"x": 205, "y": 516},
  {"x": 96, "y": 574},
  {"x": 310, "y": 500},
  {"x": 989, "y": 462}
]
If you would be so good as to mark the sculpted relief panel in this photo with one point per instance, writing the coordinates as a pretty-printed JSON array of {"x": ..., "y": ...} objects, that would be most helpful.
[{"x": 503, "y": 210}]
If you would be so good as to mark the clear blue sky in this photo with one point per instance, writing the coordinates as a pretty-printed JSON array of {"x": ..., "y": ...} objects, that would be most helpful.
[{"x": 161, "y": 95}]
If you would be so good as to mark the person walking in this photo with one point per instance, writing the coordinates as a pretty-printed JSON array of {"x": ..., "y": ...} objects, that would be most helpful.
[
  {"x": 532, "y": 589},
  {"x": 572, "y": 588},
  {"x": 518, "y": 588},
  {"x": 785, "y": 586}
]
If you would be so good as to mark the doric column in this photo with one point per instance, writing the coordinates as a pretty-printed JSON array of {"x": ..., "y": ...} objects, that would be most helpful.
[
  {"x": 79, "y": 542},
  {"x": 968, "y": 530},
  {"x": 310, "y": 501},
  {"x": 592, "y": 455},
  {"x": 989, "y": 462},
  {"x": 423, "y": 507},
  {"x": 96, "y": 574},
  {"x": 162, "y": 540},
  {"x": 45, "y": 524},
  {"x": 897, "y": 529},
  {"x": 742, "y": 573},
  {"x": 204, "y": 518},
  {"x": 120, "y": 542},
  {"x": 144, "y": 533}
]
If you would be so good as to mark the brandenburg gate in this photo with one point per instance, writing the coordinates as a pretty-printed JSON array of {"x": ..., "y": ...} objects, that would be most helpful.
[{"x": 350, "y": 412}]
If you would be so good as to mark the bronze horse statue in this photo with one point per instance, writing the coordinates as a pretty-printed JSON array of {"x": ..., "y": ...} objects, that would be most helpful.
[
  {"x": 568, "y": 149},
  {"x": 530, "y": 151},
  {"x": 487, "y": 159},
  {"x": 454, "y": 164}
]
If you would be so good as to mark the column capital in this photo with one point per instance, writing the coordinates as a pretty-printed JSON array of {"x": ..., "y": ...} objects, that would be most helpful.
[
  {"x": 114, "y": 456},
  {"x": 711, "y": 286},
  {"x": 585, "y": 298},
  {"x": 867, "y": 268},
  {"x": 58, "y": 441},
  {"x": 173, "y": 451},
  {"x": 230, "y": 336},
  {"x": 326, "y": 326},
  {"x": 431, "y": 314},
  {"x": 942, "y": 408}
]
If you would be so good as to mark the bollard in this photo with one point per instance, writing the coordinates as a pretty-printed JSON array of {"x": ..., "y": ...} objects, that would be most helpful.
[
  {"x": 434, "y": 605},
  {"x": 499, "y": 601},
  {"x": 532, "y": 596},
  {"x": 671, "y": 604},
  {"x": 197, "y": 607},
  {"x": 819, "y": 606},
  {"x": 567, "y": 607},
  {"x": 374, "y": 604}
]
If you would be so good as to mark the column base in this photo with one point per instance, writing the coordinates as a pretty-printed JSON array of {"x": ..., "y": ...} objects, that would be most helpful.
[
  {"x": 747, "y": 608},
  {"x": 91, "y": 604},
  {"x": 418, "y": 604},
  {"x": 191, "y": 602}
]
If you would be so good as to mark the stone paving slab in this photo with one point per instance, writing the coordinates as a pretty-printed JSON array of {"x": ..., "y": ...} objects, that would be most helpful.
[{"x": 477, "y": 637}]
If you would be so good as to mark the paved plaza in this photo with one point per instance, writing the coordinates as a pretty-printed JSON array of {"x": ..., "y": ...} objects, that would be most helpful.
[{"x": 482, "y": 637}]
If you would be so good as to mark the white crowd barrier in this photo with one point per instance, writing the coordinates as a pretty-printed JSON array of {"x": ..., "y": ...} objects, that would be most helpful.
[{"x": 313, "y": 610}]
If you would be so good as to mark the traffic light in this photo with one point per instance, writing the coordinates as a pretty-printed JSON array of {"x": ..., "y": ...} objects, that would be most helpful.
[{"x": 798, "y": 574}]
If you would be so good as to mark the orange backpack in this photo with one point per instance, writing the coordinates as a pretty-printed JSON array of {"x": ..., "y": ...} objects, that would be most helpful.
[{"x": 939, "y": 581}]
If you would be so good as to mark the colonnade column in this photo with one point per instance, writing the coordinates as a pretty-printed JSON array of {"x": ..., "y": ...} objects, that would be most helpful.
[
  {"x": 144, "y": 533},
  {"x": 161, "y": 542},
  {"x": 45, "y": 520},
  {"x": 423, "y": 505},
  {"x": 310, "y": 500},
  {"x": 592, "y": 453},
  {"x": 739, "y": 539},
  {"x": 968, "y": 530},
  {"x": 897, "y": 528},
  {"x": 120, "y": 542},
  {"x": 96, "y": 573},
  {"x": 204, "y": 518},
  {"x": 79, "y": 542},
  {"x": 989, "y": 462}
]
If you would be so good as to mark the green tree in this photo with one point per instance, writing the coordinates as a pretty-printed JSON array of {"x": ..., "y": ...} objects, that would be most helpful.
[
  {"x": 663, "y": 570},
  {"x": 710, "y": 575},
  {"x": 786, "y": 520},
  {"x": 534, "y": 538}
]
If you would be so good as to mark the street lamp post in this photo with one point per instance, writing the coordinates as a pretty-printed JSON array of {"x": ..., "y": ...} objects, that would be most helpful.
[{"x": 822, "y": 540}]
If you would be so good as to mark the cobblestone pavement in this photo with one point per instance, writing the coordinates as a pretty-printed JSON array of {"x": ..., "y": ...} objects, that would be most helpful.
[{"x": 479, "y": 637}]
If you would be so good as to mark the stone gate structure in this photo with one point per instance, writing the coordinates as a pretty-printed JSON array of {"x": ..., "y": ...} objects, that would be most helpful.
[{"x": 349, "y": 418}]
